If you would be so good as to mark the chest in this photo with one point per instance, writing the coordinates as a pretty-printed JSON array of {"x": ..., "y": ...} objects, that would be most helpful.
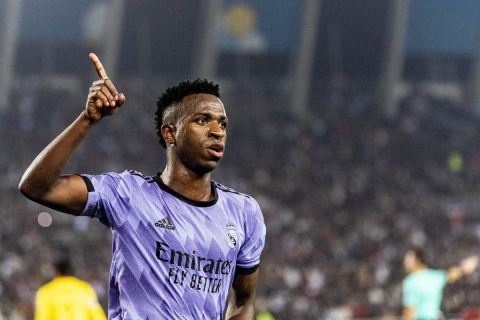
[{"x": 213, "y": 232}]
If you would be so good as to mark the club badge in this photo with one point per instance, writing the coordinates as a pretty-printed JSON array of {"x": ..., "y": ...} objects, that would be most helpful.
[{"x": 231, "y": 235}]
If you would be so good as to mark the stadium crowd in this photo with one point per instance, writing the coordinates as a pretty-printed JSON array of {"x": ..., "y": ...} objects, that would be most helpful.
[{"x": 344, "y": 193}]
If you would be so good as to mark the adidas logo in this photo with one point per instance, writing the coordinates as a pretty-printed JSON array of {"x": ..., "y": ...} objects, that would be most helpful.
[{"x": 165, "y": 223}]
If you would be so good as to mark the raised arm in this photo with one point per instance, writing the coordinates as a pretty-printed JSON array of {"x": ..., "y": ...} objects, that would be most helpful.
[
  {"x": 466, "y": 267},
  {"x": 43, "y": 181},
  {"x": 242, "y": 297}
]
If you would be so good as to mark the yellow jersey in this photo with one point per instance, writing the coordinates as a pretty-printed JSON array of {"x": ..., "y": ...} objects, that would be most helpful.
[
  {"x": 264, "y": 315},
  {"x": 67, "y": 298}
]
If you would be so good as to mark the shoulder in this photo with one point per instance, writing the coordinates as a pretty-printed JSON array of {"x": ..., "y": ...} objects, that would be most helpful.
[
  {"x": 129, "y": 177},
  {"x": 137, "y": 176},
  {"x": 83, "y": 285},
  {"x": 80, "y": 285},
  {"x": 46, "y": 288},
  {"x": 248, "y": 205},
  {"x": 234, "y": 195},
  {"x": 409, "y": 280},
  {"x": 230, "y": 192},
  {"x": 439, "y": 273},
  {"x": 130, "y": 181},
  {"x": 60, "y": 283},
  {"x": 225, "y": 189}
]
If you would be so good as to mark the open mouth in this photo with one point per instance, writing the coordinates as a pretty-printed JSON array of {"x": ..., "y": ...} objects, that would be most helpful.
[{"x": 216, "y": 150}]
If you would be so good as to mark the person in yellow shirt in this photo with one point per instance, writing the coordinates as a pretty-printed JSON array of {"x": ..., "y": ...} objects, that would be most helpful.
[
  {"x": 262, "y": 310},
  {"x": 67, "y": 298},
  {"x": 264, "y": 315}
]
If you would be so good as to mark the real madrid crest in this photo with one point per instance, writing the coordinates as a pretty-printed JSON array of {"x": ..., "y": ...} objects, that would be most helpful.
[{"x": 231, "y": 235}]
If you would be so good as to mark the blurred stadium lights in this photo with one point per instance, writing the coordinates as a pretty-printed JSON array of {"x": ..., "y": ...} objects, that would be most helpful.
[
  {"x": 394, "y": 55},
  {"x": 44, "y": 219},
  {"x": 10, "y": 16},
  {"x": 205, "y": 61},
  {"x": 294, "y": 45},
  {"x": 115, "y": 18},
  {"x": 128, "y": 23},
  {"x": 474, "y": 83},
  {"x": 304, "y": 57}
]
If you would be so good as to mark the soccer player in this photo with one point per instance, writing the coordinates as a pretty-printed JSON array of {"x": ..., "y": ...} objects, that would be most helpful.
[
  {"x": 184, "y": 246},
  {"x": 66, "y": 297},
  {"x": 423, "y": 287}
]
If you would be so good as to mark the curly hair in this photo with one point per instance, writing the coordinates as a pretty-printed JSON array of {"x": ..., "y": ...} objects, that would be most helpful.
[{"x": 174, "y": 95}]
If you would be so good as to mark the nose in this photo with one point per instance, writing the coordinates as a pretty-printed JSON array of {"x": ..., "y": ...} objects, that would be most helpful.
[{"x": 215, "y": 130}]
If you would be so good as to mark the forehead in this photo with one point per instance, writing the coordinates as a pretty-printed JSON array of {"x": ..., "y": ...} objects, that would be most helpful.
[
  {"x": 410, "y": 255},
  {"x": 202, "y": 102}
]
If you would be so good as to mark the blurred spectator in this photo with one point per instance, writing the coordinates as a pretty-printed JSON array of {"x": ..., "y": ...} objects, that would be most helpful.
[
  {"x": 344, "y": 192},
  {"x": 66, "y": 297}
]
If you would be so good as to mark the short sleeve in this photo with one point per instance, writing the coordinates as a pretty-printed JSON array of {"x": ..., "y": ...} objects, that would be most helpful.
[
  {"x": 443, "y": 277},
  {"x": 409, "y": 294},
  {"x": 248, "y": 257},
  {"x": 108, "y": 198}
]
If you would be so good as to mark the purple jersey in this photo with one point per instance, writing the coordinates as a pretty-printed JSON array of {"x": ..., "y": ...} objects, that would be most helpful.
[{"x": 173, "y": 258}]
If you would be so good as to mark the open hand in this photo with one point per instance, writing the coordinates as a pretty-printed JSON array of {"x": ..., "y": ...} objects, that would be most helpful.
[{"x": 468, "y": 265}]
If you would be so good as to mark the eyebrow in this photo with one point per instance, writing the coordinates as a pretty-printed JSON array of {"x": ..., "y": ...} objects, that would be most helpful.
[{"x": 209, "y": 115}]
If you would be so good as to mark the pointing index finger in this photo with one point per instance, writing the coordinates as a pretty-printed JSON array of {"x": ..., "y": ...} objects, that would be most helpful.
[{"x": 98, "y": 66}]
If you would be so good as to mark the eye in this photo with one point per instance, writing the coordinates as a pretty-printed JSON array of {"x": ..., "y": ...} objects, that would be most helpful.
[
  {"x": 223, "y": 124},
  {"x": 202, "y": 120}
]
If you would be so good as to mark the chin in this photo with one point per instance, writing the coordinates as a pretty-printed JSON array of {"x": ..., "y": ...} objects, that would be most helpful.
[
  {"x": 202, "y": 169},
  {"x": 199, "y": 164},
  {"x": 210, "y": 168}
]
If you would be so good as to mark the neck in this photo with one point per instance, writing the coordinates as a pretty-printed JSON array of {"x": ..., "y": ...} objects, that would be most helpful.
[
  {"x": 419, "y": 267},
  {"x": 187, "y": 183}
]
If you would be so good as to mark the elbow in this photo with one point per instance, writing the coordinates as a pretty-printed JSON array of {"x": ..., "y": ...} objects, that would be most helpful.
[
  {"x": 23, "y": 187},
  {"x": 27, "y": 188}
]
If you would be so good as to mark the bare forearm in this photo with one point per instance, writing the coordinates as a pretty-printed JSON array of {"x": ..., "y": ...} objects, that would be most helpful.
[
  {"x": 454, "y": 274},
  {"x": 245, "y": 312},
  {"x": 44, "y": 172},
  {"x": 240, "y": 308},
  {"x": 241, "y": 299},
  {"x": 246, "y": 316}
]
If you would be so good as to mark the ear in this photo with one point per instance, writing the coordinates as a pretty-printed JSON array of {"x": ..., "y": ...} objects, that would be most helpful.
[{"x": 168, "y": 133}]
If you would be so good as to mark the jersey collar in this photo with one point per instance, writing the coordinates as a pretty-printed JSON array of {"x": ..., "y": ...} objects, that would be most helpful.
[{"x": 181, "y": 197}]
